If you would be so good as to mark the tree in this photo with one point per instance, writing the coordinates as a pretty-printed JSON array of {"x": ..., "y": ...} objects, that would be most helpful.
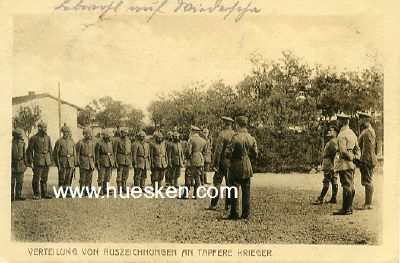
[
  {"x": 27, "y": 118},
  {"x": 86, "y": 115}
]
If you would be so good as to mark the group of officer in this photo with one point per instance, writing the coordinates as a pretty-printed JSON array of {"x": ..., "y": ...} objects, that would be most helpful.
[
  {"x": 342, "y": 154},
  {"x": 164, "y": 156}
]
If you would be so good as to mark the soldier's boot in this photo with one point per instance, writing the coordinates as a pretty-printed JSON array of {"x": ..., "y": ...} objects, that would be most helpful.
[
  {"x": 124, "y": 186},
  {"x": 368, "y": 198},
  {"x": 227, "y": 200},
  {"x": 100, "y": 186},
  {"x": 18, "y": 192},
  {"x": 35, "y": 189},
  {"x": 353, "y": 195},
  {"x": 43, "y": 190},
  {"x": 214, "y": 200},
  {"x": 202, "y": 179},
  {"x": 334, "y": 194},
  {"x": 185, "y": 193},
  {"x": 345, "y": 210},
  {"x": 320, "y": 199},
  {"x": 195, "y": 191},
  {"x": 118, "y": 188}
]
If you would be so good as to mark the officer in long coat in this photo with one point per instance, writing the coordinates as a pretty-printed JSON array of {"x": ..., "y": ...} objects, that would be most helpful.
[
  {"x": 241, "y": 150},
  {"x": 64, "y": 157},
  {"x": 168, "y": 173},
  {"x": 158, "y": 159},
  {"x": 85, "y": 155},
  {"x": 348, "y": 151},
  {"x": 176, "y": 158},
  {"x": 220, "y": 163},
  {"x": 207, "y": 156},
  {"x": 196, "y": 149},
  {"x": 39, "y": 156},
  {"x": 123, "y": 158},
  {"x": 104, "y": 158},
  {"x": 18, "y": 164},
  {"x": 368, "y": 159},
  {"x": 330, "y": 177},
  {"x": 141, "y": 160}
]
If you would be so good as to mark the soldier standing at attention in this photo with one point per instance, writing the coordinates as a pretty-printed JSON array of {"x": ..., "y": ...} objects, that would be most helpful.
[
  {"x": 104, "y": 157},
  {"x": 85, "y": 159},
  {"x": 327, "y": 167},
  {"x": 18, "y": 165},
  {"x": 221, "y": 163},
  {"x": 141, "y": 160},
  {"x": 176, "y": 158},
  {"x": 348, "y": 151},
  {"x": 64, "y": 157},
  {"x": 368, "y": 159},
  {"x": 207, "y": 156},
  {"x": 39, "y": 156},
  {"x": 168, "y": 173},
  {"x": 123, "y": 158},
  {"x": 241, "y": 150},
  {"x": 158, "y": 159},
  {"x": 196, "y": 149}
]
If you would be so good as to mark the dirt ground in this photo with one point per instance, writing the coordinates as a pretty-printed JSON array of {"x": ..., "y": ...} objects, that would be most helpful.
[{"x": 281, "y": 213}]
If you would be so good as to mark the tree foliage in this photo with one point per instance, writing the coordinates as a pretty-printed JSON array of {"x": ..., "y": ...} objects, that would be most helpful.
[{"x": 26, "y": 118}]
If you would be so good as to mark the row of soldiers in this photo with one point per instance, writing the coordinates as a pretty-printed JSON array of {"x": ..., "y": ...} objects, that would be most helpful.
[
  {"x": 164, "y": 157},
  {"x": 342, "y": 154}
]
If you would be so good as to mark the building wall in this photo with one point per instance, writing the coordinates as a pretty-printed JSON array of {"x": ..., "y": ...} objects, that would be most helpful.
[{"x": 49, "y": 114}]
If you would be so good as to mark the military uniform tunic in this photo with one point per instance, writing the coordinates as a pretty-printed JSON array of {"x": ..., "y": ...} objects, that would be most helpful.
[
  {"x": 85, "y": 158},
  {"x": 141, "y": 162},
  {"x": 368, "y": 157},
  {"x": 104, "y": 157},
  {"x": 64, "y": 158},
  {"x": 18, "y": 167},
  {"x": 176, "y": 159},
  {"x": 159, "y": 161},
  {"x": 123, "y": 157}
]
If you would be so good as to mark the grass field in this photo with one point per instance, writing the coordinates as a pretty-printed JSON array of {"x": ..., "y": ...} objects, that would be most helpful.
[{"x": 281, "y": 213}]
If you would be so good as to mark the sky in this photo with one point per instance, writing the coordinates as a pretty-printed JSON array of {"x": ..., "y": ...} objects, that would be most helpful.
[{"x": 134, "y": 61}]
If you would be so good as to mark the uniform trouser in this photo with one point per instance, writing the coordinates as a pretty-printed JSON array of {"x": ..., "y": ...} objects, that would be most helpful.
[
  {"x": 64, "y": 176},
  {"x": 104, "y": 176},
  {"x": 217, "y": 181},
  {"x": 122, "y": 176},
  {"x": 40, "y": 174},
  {"x": 347, "y": 182},
  {"x": 367, "y": 181},
  {"x": 203, "y": 177},
  {"x": 85, "y": 177},
  {"x": 330, "y": 177},
  {"x": 245, "y": 185},
  {"x": 193, "y": 175},
  {"x": 176, "y": 173},
  {"x": 140, "y": 177},
  {"x": 169, "y": 176},
  {"x": 17, "y": 180},
  {"x": 158, "y": 176}
]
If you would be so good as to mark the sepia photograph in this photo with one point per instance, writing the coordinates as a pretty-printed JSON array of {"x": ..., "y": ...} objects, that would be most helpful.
[{"x": 201, "y": 123}]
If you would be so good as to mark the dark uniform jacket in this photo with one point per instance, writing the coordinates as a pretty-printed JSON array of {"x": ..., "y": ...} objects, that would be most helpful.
[
  {"x": 85, "y": 154},
  {"x": 18, "y": 157},
  {"x": 64, "y": 153},
  {"x": 104, "y": 154},
  {"x": 141, "y": 155},
  {"x": 196, "y": 149},
  {"x": 207, "y": 152},
  {"x": 220, "y": 161},
  {"x": 158, "y": 155},
  {"x": 348, "y": 149},
  {"x": 123, "y": 151},
  {"x": 366, "y": 141},
  {"x": 39, "y": 152},
  {"x": 240, "y": 151},
  {"x": 328, "y": 155},
  {"x": 176, "y": 155}
]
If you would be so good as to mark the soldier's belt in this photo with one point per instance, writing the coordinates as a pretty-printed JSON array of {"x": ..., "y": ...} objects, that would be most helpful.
[
  {"x": 87, "y": 155},
  {"x": 68, "y": 155},
  {"x": 108, "y": 154}
]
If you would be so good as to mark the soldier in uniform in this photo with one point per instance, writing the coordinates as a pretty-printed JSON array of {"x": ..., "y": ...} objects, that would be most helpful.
[
  {"x": 196, "y": 149},
  {"x": 330, "y": 177},
  {"x": 18, "y": 165},
  {"x": 221, "y": 163},
  {"x": 241, "y": 150},
  {"x": 104, "y": 157},
  {"x": 123, "y": 158},
  {"x": 141, "y": 160},
  {"x": 64, "y": 157},
  {"x": 39, "y": 156},
  {"x": 176, "y": 158},
  {"x": 348, "y": 151},
  {"x": 207, "y": 156},
  {"x": 85, "y": 159},
  {"x": 168, "y": 173},
  {"x": 158, "y": 159},
  {"x": 368, "y": 159},
  {"x": 185, "y": 147}
]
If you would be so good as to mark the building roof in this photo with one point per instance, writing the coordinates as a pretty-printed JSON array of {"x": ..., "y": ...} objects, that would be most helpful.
[{"x": 26, "y": 98}]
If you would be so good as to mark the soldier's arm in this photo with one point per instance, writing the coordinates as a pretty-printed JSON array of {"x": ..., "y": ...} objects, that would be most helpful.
[
  {"x": 342, "y": 144},
  {"x": 55, "y": 153},
  {"x": 134, "y": 153},
  {"x": 189, "y": 149},
  {"x": 217, "y": 151},
  {"x": 229, "y": 148},
  {"x": 29, "y": 151},
  {"x": 77, "y": 153},
  {"x": 75, "y": 157},
  {"x": 97, "y": 154},
  {"x": 50, "y": 149}
]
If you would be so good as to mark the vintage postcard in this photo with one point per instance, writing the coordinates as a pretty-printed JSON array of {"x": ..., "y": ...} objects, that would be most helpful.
[{"x": 199, "y": 130}]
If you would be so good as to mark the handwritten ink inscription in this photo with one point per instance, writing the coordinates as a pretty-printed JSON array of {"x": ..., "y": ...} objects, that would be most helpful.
[{"x": 235, "y": 9}]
